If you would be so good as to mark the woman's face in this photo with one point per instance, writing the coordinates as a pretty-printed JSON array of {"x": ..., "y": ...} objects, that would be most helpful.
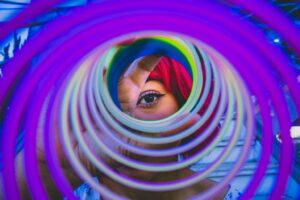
[{"x": 155, "y": 102}]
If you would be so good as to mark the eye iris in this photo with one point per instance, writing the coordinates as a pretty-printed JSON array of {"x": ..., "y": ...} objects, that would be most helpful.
[{"x": 149, "y": 98}]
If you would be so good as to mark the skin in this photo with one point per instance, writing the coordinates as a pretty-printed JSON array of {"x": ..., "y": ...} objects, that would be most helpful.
[
  {"x": 151, "y": 105},
  {"x": 131, "y": 93}
]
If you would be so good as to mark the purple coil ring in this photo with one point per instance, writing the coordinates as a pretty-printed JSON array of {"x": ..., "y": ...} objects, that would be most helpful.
[{"x": 276, "y": 57}]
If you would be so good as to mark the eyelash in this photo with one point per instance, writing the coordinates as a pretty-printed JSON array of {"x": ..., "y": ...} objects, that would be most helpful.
[{"x": 149, "y": 93}]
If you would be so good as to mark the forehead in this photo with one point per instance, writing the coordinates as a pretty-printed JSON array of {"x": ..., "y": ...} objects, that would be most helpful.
[{"x": 154, "y": 85}]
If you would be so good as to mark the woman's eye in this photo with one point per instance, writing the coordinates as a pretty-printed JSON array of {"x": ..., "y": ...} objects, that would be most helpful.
[{"x": 149, "y": 98}]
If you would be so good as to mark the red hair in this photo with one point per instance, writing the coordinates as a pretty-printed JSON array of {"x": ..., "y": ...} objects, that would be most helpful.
[
  {"x": 174, "y": 77},
  {"x": 178, "y": 81}
]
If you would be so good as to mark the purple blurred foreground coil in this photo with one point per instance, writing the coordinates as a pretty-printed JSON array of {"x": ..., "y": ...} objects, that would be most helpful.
[{"x": 254, "y": 60}]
